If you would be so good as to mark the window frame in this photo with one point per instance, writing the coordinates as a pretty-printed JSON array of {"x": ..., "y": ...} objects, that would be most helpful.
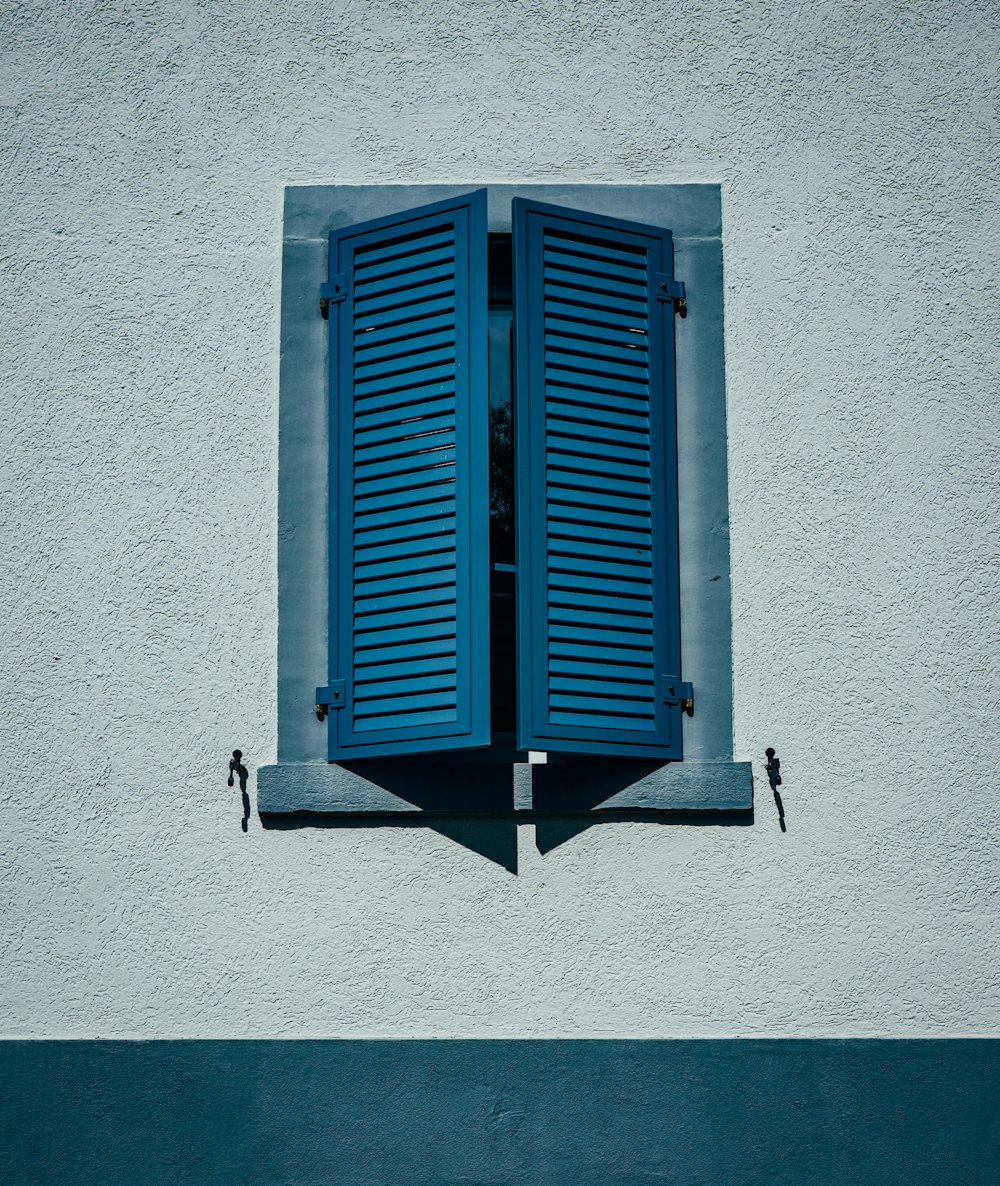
[{"x": 708, "y": 778}]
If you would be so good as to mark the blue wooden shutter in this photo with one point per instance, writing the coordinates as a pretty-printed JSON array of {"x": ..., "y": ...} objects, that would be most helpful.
[
  {"x": 409, "y": 581},
  {"x": 596, "y": 485}
]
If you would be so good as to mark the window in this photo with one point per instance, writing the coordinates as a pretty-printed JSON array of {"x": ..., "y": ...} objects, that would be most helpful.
[{"x": 497, "y": 355}]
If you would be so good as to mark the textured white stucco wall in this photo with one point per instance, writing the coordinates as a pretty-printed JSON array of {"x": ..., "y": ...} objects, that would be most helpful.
[{"x": 143, "y": 149}]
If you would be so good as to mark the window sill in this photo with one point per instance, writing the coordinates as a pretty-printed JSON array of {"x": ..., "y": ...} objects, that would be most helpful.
[{"x": 497, "y": 784}]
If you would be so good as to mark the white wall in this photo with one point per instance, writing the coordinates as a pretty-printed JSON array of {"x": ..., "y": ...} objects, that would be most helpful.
[{"x": 143, "y": 150}]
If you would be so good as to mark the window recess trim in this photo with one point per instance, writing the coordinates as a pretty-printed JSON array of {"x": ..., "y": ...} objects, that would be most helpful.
[{"x": 708, "y": 778}]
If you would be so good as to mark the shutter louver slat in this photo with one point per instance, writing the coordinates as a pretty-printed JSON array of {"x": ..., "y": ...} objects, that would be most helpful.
[
  {"x": 589, "y": 347},
  {"x": 585, "y": 379},
  {"x": 408, "y": 247},
  {"x": 410, "y": 363},
  {"x": 428, "y": 467},
  {"x": 579, "y": 261},
  {"x": 418, "y": 498},
  {"x": 402, "y": 568},
  {"x": 408, "y": 596},
  {"x": 577, "y": 244},
  {"x": 596, "y": 502},
  {"x": 404, "y": 336},
  {"x": 405, "y": 279},
  {"x": 400, "y": 349},
  {"x": 577, "y": 399},
  {"x": 597, "y": 466},
  {"x": 407, "y": 297},
  {"x": 406, "y": 449},
  {"x": 426, "y": 595},
  {"x": 404, "y": 316},
  {"x": 428, "y": 377},
  {"x": 597, "y": 317},
  {"x": 442, "y": 647},
  {"x": 421, "y": 514},
  {"x": 368, "y": 435},
  {"x": 406, "y": 540}
]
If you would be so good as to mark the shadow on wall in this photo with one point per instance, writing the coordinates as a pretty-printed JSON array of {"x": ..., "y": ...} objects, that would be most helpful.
[
  {"x": 565, "y": 800},
  {"x": 773, "y": 769},
  {"x": 238, "y": 770},
  {"x": 551, "y": 831},
  {"x": 494, "y": 838},
  {"x": 434, "y": 793}
]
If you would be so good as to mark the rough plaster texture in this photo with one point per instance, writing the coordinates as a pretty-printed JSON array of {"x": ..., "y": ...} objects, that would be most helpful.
[{"x": 143, "y": 149}]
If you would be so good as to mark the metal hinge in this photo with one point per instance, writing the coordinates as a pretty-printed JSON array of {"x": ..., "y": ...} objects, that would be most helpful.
[
  {"x": 331, "y": 698},
  {"x": 676, "y": 691},
  {"x": 667, "y": 289},
  {"x": 334, "y": 289}
]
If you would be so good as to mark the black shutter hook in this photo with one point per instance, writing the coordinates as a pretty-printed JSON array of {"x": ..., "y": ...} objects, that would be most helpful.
[{"x": 237, "y": 770}]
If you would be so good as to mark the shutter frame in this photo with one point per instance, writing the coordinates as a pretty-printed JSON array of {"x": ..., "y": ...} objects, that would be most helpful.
[
  {"x": 554, "y": 712},
  {"x": 380, "y": 483}
]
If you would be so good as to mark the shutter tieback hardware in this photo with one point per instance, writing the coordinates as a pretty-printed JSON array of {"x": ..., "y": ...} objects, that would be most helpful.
[
  {"x": 237, "y": 770},
  {"x": 334, "y": 289},
  {"x": 330, "y": 699},
  {"x": 668, "y": 289},
  {"x": 677, "y": 691}
]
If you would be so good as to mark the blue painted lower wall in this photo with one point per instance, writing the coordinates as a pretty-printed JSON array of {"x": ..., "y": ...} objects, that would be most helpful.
[{"x": 433, "y": 1113}]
